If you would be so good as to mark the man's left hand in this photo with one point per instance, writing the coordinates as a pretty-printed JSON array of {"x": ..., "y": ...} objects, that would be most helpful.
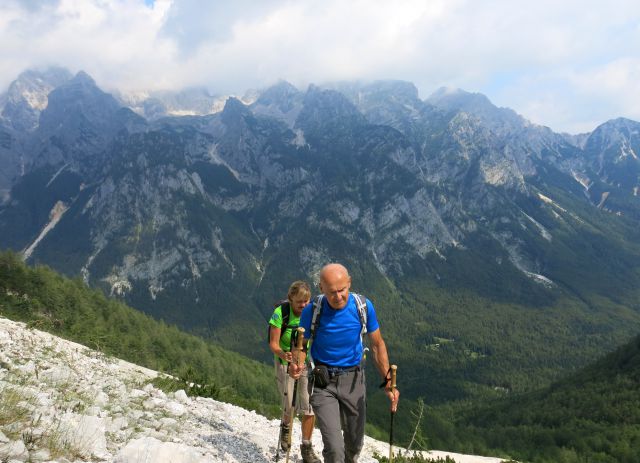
[{"x": 394, "y": 397}]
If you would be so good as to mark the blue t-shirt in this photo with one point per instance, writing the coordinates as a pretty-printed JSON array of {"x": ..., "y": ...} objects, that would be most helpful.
[{"x": 337, "y": 339}]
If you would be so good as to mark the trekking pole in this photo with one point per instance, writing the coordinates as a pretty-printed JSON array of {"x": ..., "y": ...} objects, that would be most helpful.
[
  {"x": 296, "y": 353},
  {"x": 284, "y": 407},
  {"x": 393, "y": 386}
]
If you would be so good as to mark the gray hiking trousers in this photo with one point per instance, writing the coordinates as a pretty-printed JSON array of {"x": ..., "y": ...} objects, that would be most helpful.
[{"x": 341, "y": 406}]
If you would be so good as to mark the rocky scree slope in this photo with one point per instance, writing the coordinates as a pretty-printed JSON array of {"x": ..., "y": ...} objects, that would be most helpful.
[{"x": 62, "y": 402}]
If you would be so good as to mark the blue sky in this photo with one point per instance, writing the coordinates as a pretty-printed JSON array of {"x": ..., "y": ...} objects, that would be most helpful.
[{"x": 568, "y": 64}]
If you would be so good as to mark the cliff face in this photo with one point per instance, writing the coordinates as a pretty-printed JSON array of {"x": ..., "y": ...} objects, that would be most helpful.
[{"x": 62, "y": 402}]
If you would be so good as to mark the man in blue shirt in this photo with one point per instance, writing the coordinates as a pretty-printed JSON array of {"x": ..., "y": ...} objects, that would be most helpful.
[{"x": 340, "y": 405}]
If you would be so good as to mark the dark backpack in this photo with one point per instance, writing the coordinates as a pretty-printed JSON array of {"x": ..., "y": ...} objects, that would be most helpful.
[{"x": 285, "y": 308}]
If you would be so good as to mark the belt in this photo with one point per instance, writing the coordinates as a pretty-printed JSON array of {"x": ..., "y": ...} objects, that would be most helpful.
[{"x": 337, "y": 371}]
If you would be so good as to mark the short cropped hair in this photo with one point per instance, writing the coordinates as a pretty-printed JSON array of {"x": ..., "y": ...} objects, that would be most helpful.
[{"x": 299, "y": 288}]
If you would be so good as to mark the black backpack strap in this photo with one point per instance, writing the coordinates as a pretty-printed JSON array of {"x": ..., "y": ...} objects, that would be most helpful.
[{"x": 285, "y": 311}]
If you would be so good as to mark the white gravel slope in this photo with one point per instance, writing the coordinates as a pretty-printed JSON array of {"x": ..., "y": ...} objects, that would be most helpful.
[{"x": 63, "y": 402}]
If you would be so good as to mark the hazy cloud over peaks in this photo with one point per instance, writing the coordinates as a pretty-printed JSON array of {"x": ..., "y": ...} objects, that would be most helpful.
[{"x": 569, "y": 65}]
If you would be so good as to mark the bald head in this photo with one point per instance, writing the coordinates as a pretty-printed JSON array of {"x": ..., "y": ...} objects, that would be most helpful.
[
  {"x": 335, "y": 283},
  {"x": 333, "y": 271}
]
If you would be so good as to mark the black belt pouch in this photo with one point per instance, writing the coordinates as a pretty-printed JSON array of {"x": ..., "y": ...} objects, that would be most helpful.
[{"x": 320, "y": 376}]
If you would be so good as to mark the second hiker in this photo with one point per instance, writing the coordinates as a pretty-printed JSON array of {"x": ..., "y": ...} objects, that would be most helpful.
[{"x": 283, "y": 322}]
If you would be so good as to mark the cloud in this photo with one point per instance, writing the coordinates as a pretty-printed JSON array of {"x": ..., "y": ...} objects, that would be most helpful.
[
  {"x": 554, "y": 62},
  {"x": 114, "y": 40},
  {"x": 315, "y": 41},
  {"x": 191, "y": 23}
]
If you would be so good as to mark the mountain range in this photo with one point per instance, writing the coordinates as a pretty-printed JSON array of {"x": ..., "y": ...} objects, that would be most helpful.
[{"x": 500, "y": 255}]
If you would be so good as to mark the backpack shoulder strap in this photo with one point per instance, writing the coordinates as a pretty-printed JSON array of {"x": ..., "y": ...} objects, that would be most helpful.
[
  {"x": 285, "y": 309},
  {"x": 315, "y": 318},
  {"x": 315, "y": 321},
  {"x": 361, "y": 303}
]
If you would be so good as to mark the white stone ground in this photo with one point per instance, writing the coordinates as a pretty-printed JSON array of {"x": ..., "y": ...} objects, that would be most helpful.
[{"x": 62, "y": 402}]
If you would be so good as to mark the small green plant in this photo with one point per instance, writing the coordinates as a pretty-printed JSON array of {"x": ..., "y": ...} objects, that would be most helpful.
[
  {"x": 418, "y": 438},
  {"x": 192, "y": 382},
  {"x": 15, "y": 414},
  {"x": 13, "y": 408},
  {"x": 29, "y": 436},
  {"x": 414, "y": 457},
  {"x": 60, "y": 445},
  {"x": 74, "y": 400}
]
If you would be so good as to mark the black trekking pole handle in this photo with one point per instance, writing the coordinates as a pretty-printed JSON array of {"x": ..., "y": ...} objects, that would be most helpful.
[{"x": 393, "y": 386}]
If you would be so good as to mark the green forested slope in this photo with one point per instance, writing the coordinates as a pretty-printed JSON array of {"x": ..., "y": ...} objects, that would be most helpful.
[
  {"x": 592, "y": 416},
  {"x": 67, "y": 308}
]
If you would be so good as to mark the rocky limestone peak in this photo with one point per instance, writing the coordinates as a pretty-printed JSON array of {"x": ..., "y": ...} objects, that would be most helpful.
[
  {"x": 234, "y": 110},
  {"x": 27, "y": 96},
  {"x": 615, "y": 130},
  {"x": 400, "y": 89},
  {"x": 615, "y": 140},
  {"x": 365, "y": 94},
  {"x": 328, "y": 112},
  {"x": 475, "y": 104},
  {"x": 283, "y": 94},
  {"x": 78, "y": 124},
  {"x": 282, "y": 101},
  {"x": 520, "y": 140},
  {"x": 612, "y": 150},
  {"x": 388, "y": 102},
  {"x": 456, "y": 98},
  {"x": 38, "y": 79},
  {"x": 78, "y": 98},
  {"x": 330, "y": 103},
  {"x": 83, "y": 78}
]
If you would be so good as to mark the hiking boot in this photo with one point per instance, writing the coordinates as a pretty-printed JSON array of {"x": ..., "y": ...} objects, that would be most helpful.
[
  {"x": 308, "y": 455},
  {"x": 285, "y": 432}
]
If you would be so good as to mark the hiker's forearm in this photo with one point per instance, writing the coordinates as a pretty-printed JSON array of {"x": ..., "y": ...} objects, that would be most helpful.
[
  {"x": 274, "y": 345},
  {"x": 380, "y": 355},
  {"x": 275, "y": 348},
  {"x": 381, "y": 359}
]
